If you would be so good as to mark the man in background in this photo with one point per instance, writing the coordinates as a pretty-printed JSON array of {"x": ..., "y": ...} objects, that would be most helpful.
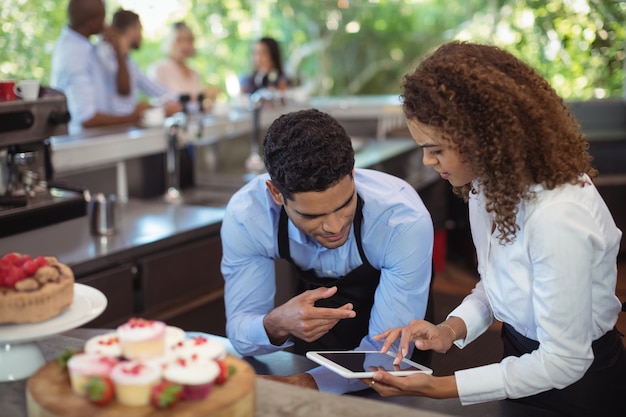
[
  {"x": 77, "y": 72},
  {"x": 113, "y": 54}
]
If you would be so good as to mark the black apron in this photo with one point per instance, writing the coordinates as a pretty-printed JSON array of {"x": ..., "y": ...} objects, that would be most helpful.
[
  {"x": 600, "y": 392},
  {"x": 357, "y": 287}
]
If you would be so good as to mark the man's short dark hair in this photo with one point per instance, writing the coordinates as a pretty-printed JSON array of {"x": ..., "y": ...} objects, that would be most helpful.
[
  {"x": 307, "y": 150},
  {"x": 123, "y": 19}
]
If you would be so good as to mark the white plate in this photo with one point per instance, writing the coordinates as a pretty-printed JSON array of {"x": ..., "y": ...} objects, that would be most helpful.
[{"x": 88, "y": 304}]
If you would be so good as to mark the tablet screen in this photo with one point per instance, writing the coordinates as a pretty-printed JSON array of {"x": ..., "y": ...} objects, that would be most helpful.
[{"x": 361, "y": 361}]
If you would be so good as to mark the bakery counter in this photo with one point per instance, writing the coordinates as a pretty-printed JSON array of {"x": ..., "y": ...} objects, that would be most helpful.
[
  {"x": 144, "y": 227},
  {"x": 276, "y": 399}
]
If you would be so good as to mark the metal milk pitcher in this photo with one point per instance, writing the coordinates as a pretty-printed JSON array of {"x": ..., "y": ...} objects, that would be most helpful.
[{"x": 103, "y": 214}]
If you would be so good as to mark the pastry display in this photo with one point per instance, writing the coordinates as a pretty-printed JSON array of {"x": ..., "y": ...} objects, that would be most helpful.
[
  {"x": 33, "y": 290},
  {"x": 193, "y": 376}
]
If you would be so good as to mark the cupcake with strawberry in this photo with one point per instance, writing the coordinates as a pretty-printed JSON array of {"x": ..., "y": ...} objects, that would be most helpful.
[
  {"x": 173, "y": 336},
  {"x": 134, "y": 381},
  {"x": 82, "y": 366},
  {"x": 197, "y": 377},
  {"x": 142, "y": 339},
  {"x": 199, "y": 347},
  {"x": 104, "y": 344}
]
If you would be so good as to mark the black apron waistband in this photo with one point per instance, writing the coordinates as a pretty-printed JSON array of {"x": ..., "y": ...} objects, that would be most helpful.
[{"x": 599, "y": 392}]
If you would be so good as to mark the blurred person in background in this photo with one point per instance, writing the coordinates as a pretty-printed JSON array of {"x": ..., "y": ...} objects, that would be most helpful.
[
  {"x": 268, "y": 68},
  {"x": 174, "y": 71},
  {"x": 76, "y": 70},
  {"x": 114, "y": 53}
]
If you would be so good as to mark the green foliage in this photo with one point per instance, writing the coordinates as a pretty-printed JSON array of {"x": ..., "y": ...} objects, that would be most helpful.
[{"x": 362, "y": 49}]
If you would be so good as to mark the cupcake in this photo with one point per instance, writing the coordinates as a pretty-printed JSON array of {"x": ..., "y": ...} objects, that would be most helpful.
[
  {"x": 199, "y": 347},
  {"x": 84, "y": 365},
  {"x": 104, "y": 344},
  {"x": 142, "y": 339},
  {"x": 173, "y": 336},
  {"x": 196, "y": 377},
  {"x": 133, "y": 382}
]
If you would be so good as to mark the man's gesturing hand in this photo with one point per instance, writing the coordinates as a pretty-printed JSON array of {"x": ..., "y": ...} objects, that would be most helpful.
[{"x": 301, "y": 318}]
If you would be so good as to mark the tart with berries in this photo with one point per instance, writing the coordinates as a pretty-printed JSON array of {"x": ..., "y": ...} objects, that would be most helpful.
[{"x": 33, "y": 290}]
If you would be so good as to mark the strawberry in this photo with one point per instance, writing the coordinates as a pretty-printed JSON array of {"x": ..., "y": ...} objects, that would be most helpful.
[
  {"x": 21, "y": 260},
  {"x": 12, "y": 275},
  {"x": 41, "y": 261},
  {"x": 11, "y": 257},
  {"x": 30, "y": 267},
  {"x": 100, "y": 390},
  {"x": 226, "y": 372},
  {"x": 166, "y": 394}
]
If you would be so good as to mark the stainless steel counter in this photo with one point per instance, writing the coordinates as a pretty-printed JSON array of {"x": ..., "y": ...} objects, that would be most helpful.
[
  {"x": 145, "y": 227},
  {"x": 276, "y": 399}
]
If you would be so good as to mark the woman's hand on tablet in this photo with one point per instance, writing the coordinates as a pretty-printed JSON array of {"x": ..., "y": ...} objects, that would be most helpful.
[
  {"x": 423, "y": 385},
  {"x": 424, "y": 334}
]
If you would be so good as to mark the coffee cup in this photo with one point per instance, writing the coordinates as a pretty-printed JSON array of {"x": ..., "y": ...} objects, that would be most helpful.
[
  {"x": 153, "y": 117},
  {"x": 27, "y": 89},
  {"x": 7, "y": 90}
]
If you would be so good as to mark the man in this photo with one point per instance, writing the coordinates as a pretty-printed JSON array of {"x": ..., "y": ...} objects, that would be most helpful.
[
  {"x": 360, "y": 240},
  {"x": 113, "y": 53},
  {"x": 77, "y": 72}
]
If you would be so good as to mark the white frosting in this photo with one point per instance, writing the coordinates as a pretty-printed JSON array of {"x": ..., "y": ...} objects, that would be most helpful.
[
  {"x": 173, "y": 335},
  {"x": 105, "y": 344},
  {"x": 139, "y": 330},
  {"x": 90, "y": 364},
  {"x": 192, "y": 372},
  {"x": 199, "y": 347},
  {"x": 135, "y": 373}
]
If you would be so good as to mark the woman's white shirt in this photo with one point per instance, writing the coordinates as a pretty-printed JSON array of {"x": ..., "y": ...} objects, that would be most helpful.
[{"x": 555, "y": 284}]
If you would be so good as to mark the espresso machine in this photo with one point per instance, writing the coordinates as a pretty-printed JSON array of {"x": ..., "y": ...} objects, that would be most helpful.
[{"x": 28, "y": 197}]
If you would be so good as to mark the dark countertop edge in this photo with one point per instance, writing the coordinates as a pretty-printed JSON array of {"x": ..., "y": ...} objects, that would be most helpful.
[{"x": 127, "y": 255}]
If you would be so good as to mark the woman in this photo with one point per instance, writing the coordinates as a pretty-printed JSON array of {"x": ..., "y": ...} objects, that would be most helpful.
[
  {"x": 174, "y": 72},
  {"x": 545, "y": 240},
  {"x": 268, "y": 68}
]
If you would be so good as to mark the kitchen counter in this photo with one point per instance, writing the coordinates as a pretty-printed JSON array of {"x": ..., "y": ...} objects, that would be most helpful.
[
  {"x": 86, "y": 148},
  {"x": 145, "y": 227},
  {"x": 276, "y": 399}
]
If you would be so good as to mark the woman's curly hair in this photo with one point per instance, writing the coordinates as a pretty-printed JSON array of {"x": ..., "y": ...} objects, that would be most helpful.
[{"x": 503, "y": 119}]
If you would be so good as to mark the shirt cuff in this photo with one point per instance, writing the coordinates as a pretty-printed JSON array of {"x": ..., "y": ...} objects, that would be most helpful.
[
  {"x": 258, "y": 336},
  {"x": 477, "y": 385},
  {"x": 477, "y": 319}
]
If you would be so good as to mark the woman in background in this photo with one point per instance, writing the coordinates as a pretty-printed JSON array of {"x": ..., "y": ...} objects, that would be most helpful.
[
  {"x": 174, "y": 71},
  {"x": 545, "y": 240},
  {"x": 268, "y": 68}
]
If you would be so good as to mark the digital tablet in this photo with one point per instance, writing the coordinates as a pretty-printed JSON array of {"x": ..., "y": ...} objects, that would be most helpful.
[{"x": 363, "y": 364}]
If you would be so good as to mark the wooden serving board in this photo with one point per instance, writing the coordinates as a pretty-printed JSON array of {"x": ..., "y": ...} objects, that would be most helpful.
[{"x": 49, "y": 394}]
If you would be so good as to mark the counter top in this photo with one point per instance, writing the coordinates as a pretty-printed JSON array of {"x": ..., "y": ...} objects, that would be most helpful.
[
  {"x": 276, "y": 399},
  {"x": 144, "y": 227},
  {"x": 86, "y": 148}
]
